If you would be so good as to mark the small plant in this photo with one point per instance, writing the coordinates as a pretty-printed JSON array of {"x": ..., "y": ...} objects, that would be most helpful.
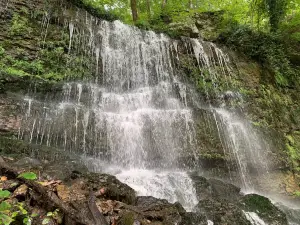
[
  {"x": 10, "y": 212},
  {"x": 51, "y": 215},
  {"x": 28, "y": 176}
]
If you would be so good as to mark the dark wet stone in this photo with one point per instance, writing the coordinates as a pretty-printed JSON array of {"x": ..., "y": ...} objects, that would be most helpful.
[
  {"x": 28, "y": 162},
  {"x": 223, "y": 190},
  {"x": 63, "y": 170},
  {"x": 214, "y": 188}
]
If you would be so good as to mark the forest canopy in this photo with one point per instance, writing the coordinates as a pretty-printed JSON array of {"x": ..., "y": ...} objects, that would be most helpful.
[{"x": 268, "y": 15}]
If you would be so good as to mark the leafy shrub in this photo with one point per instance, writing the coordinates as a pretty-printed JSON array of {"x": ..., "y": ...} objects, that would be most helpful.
[
  {"x": 266, "y": 48},
  {"x": 10, "y": 211}
]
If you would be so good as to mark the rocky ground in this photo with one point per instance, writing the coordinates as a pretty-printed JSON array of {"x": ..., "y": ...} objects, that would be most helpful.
[{"x": 65, "y": 192}]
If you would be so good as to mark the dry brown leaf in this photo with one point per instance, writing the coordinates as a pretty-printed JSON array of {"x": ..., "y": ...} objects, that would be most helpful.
[
  {"x": 47, "y": 183},
  {"x": 3, "y": 178}
]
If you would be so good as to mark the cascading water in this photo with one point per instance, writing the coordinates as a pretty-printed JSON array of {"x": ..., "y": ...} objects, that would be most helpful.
[
  {"x": 135, "y": 119},
  {"x": 254, "y": 218},
  {"x": 239, "y": 137}
]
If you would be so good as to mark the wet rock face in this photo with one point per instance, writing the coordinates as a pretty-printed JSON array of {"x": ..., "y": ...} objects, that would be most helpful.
[
  {"x": 9, "y": 118},
  {"x": 215, "y": 189}
]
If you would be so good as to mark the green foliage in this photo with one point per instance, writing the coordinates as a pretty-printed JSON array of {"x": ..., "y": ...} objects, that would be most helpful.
[
  {"x": 4, "y": 206},
  {"x": 268, "y": 49},
  {"x": 293, "y": 150},
  {"x": 273, "y": 10},
  {"x": 28, "y": 176},
  {"x": 4, "y": 194},
  {"x": 128, "y": 219},
  {"x": 52, "y": 215},
  {"x": 10, "y": 212},
  {"x": 19, "y": 25},
  {"x": 105, "y": 9}
]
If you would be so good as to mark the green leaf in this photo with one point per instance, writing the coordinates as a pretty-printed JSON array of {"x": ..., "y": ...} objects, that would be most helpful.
[
  {"x": 24, "y": 211},
  {"x": 27, "y": 221},
  {"x": 6, "y": 220},
  {"x": 50, "y": 214},
  {"x": 4, "y": 206},
  {"x": 4, "y": 194},
  {"x": 28, "y": 176},
  {"x": 46, "y": 221},
  {"x": 34, "y": 215},
  {"x": 15, "y": 214}
]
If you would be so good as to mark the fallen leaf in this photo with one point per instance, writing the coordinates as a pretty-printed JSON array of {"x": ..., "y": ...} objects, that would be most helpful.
[
  {"x": 47, "y": 183},
  {"x": 114, "y": 222},
  {"x": 3, "y": 178},
  {"x": 102, "y": 191}
]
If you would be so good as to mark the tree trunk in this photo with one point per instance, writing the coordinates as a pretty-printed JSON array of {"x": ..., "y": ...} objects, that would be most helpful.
[
  {"x": 163, "y": 4},
  {"x": 149, "y": 9},
  {"x": 190, "y": 4},
  {"x": 133, "y": 4}
]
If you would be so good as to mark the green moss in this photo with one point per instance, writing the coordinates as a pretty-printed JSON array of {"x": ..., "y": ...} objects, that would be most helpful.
[
  {"x": 257, "y": 203},
  {"x": 11, "y": 71},
  {"x": 297, "y": 193},
  {"x": 128, "y": 219},
  {"x": 263, "y": 207},
  {"x": 293, "y": 150}
]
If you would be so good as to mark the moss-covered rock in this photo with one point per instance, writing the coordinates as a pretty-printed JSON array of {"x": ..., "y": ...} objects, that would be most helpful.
[
  {"x": 264, "y": 208},
  {"x": 222, "y": 212}
]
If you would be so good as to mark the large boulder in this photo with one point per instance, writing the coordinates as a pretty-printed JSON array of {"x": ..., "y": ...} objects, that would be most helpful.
[{"x": 215, "y": 189}]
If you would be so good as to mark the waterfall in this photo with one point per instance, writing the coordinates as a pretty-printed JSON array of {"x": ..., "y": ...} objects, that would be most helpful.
[
  {"x": 246, "y": 146},
  {"x": 136, "y": 118}
]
